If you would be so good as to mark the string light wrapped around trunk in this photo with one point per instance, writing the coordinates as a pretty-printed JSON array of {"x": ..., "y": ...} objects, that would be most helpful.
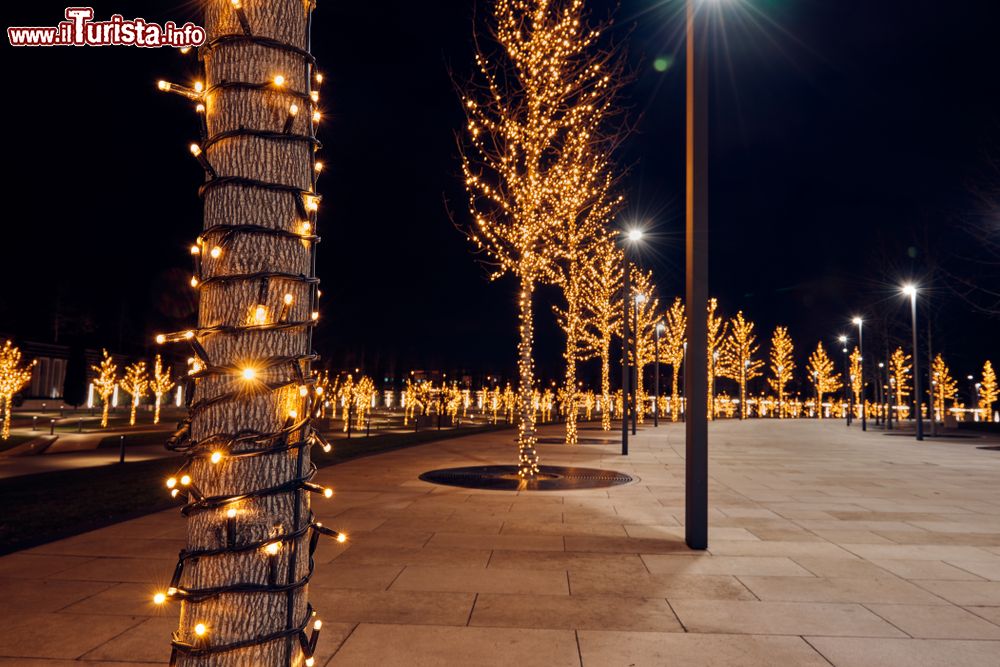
[{"x": 252, "y": 395}]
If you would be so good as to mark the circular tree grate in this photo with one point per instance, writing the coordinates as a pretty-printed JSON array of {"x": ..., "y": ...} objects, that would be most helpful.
[{"x": 505, "y": 478}]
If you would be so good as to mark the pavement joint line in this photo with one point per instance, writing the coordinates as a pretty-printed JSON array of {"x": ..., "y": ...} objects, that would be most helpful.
[
  {"x": 676, "y": 615},
  {"x": 872, "y": 611},
  {"x": 468, "y": 621},
  {"x": 818, "y": 652},
  {"x": 579, "y": 651}
]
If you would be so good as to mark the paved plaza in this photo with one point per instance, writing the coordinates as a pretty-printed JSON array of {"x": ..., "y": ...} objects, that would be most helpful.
[{"x": 827, "y": 546}]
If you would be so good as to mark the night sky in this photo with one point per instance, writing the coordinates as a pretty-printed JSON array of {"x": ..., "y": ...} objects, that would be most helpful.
[{"x": 849, "y": 139}]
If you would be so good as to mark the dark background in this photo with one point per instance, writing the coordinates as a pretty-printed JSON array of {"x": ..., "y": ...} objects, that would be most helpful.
[{"x": 848, "y": 140}]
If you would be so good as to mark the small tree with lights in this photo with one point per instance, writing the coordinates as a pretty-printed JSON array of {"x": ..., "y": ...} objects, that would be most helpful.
[
  {"x": 854, "y": 379},
  {"x": 136, "y": 383},
  {"x": 105, "y": 383},
  {"x": 529, "y": 114},
  {"x": 823, "y": 376},
  {"x": 782, "y": 359},
  {"x": 160, "y": 384},
  {"x": 674, "y": 335},
  {"x": 943, "y": 388},
  {"x": 13, "y": 378},
  {"x": 716, "y": 337},
  {"x": 988, "y": 393},
  {"x": 737, "y": 361},
  {"x": 647, "y": 315},
  {"x": 899, "y": 376},
  {"x": 602, "y": 313}
]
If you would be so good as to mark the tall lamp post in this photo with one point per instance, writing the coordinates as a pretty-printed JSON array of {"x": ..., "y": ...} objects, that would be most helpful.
[
  {"x": 861, "y": 369},
  {"x": 696, "y": 264},
  {"x": 911, "y": 291},
  {"x": 848, "y": 394},
  {"x": 656, "y": 374},
  {"x": 631, "y": 237}
]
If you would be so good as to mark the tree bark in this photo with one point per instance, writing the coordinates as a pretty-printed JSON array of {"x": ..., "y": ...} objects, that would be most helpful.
[
  {"x": 572, "y": 346},
  {"x": 526, "y": 440},
  {"x": 606, "y": 383},
  {"x": 675, "y": 396},
  {"x": 235, "y": 617}
]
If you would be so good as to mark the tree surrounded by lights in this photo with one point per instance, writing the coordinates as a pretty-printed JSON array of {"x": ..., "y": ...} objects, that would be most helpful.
[
  {"x": 737, "y": 361},
  {"x": 988, "y": 393},
  {"x": 105, "y": 383},
  {"x": 602, "y": 313},
  {"x": 716, "y": 337},
  {"x": 13, "y": 378},
  {"x": 135, "y": 382},
  {"x": 823, "y": 376},
  {"x": 160, "y": 384},
  {"x": 674, "y": 332},
  {"x": 782, "y": 358},
  {"x": 944, "y": 387},
  {"x": 526, "y": 110},
  {"x": 246, "y": 482},
  {"x": 899, "y": 376}
]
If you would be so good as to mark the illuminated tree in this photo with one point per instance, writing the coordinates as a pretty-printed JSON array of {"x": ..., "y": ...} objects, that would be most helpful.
[
  {"x": 988, "y": 391},
  {"x": 136, "y": 383},
  {"x": 160, "y": 385},
  {"x": 602, "y": 313},
  {"x": 782, "y": 365},
  {"x": 13, "y": 377},
  {"x": 242, "y": 577},
  {"x": 716, "y": 337},
  {"x": 646, "y": 312},
  {"x": 105, "y": 383},
  {"x": 534, "y": 161},
  {"x": 855, "y": 379},
  {"x": 899, "y": 375},
  {"x": 672, "y": 341},
  {"x": 823, "y": 376},
  {"x": 737, "y": 360},
  {"x": 944, "y": 386}
]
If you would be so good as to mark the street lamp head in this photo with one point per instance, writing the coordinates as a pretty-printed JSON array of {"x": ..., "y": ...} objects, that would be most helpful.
[
  {"x": 634, "y": 235},
  {"x": 660, "y": 327},
  {"x": 909, "y": 289},
  {"x": 857, "y": 321},
  {"x": 842, "y": 338},
  {"x": 640, "y": 298}
]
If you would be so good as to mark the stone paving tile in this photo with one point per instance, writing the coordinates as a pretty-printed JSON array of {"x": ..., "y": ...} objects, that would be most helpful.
[
  {"x": 732, "y": 565},
  {"x": 780, "y": 549},
  {"x": 781, "y": 618},
  {"x": 926, "y": 569},
  {"x": 134, "y": 599},
  {"x": 577, "y": 561},
  {"x": 558, "y": 528},
  {"x": 60, "y": 635},
  {"x": 432, "y": 646},
  {"x": 37, "y": 565},
  {"x": 22, "y": 596},
  {"x": 677, "y": 533},
  {"x": 120, "y": 569},
  {"x": 672, "y": 586},
  {"x": 624, "y": 545},
  {"x": 936, "y": 622},
  {"x": 513, "y": 542},
  {"x": 394, "y": 606},
  {"x": 357, "y": 577},
  {"x": 43, "y": 662},
  {"x": 888, "y": 589},
  {"x": 457, "y": 557},
  {"x": 985, "y": 569},
  {"x": 576, "y": 612},
  {"x": 991, "y": 614},
  {"x": 860, "y": 652},
  {"x": 966, "y": 593},
  {"x": 479, "y": 580},
  {"x": 841, "y": 567},
  {"x": 651, "y": 649},
  {"x": 917, "y": 552}
]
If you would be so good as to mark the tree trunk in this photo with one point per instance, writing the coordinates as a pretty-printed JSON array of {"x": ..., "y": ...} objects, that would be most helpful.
[
  {"x": 675, "y": 394},
  {"x": 156, "y": 410},
  {"x": 104, "y": 413},
  {"x": 268, "y": 402},
  {"x": 572, "y": 338},
  {"x": 527, "y": 454},
  {"x": 606, "y": 383}
]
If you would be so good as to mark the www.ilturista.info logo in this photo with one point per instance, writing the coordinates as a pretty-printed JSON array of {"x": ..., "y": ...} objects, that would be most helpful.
[{"x": 79, "y": 29}]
